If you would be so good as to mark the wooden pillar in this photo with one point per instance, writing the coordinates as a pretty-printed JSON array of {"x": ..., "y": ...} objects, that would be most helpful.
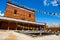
[
  {"x": 37, "y": 28},
  {"x": 33, "y": 27},
  {"x": 9, "y": 25},
  {"x": 16, "y": 27},
  {"x": 23, "y": 26},
  {"x": 28, "y": 27},
  {"x": 0, "y": 23}
]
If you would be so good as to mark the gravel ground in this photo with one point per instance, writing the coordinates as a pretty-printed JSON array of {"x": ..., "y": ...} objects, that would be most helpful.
[{"x": 11, "y": 35}]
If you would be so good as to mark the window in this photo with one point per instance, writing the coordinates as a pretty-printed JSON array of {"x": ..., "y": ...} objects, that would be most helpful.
[
  {"x": 15, "y": 11},
  {"x": 29, "y": 15}
]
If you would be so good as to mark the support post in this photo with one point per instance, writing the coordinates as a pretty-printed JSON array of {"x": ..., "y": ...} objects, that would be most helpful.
[
  {"x": 16, "y": 26},
  {"x": 8, "y": 25}
]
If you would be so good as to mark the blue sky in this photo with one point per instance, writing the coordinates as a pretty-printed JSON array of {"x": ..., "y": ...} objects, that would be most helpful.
[{"x": 39, "y": 5}]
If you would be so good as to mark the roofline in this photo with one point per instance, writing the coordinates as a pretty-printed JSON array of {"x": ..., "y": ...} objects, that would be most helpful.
[
  {"x": 18, "y": 20},
  {"x": 20, "y": 7}
]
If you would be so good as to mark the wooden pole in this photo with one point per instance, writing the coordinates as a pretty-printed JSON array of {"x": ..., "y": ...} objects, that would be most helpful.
[
  {"x": 8, "y": 24},
  {"x": 28, "y": 27},
  {"x": 8, "y": 0},
  {"x": 16, "y": 26},
  {"x": 8, "y": 27}
]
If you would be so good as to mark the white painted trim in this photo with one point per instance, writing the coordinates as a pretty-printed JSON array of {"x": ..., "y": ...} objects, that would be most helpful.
[
  {"x": 19, "y": 7},
  {"x": 18, "y": 20}
]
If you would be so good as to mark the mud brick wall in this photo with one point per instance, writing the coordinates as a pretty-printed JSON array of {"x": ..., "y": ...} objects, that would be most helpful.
[{"x": 19, "y": 13}]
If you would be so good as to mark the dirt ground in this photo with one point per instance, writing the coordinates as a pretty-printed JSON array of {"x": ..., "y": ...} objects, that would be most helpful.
[{"x": 11, "y": 35}]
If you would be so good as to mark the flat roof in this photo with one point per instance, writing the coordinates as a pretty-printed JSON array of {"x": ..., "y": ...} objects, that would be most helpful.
[
  {"x": 20, "y": 6},
  {"x": 19, "y": 20}
]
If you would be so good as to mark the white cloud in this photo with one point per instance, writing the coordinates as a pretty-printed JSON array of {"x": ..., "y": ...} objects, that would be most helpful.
[
  {"x": 54, "y": 3},
  {"x": 45, "y": 3},
  {"x": 1, "y": 14}
]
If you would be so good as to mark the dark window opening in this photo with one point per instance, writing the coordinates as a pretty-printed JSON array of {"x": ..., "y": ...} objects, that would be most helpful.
[
  {"x": 15, "y": 11},
  {"x": 29, "y": 15}
]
